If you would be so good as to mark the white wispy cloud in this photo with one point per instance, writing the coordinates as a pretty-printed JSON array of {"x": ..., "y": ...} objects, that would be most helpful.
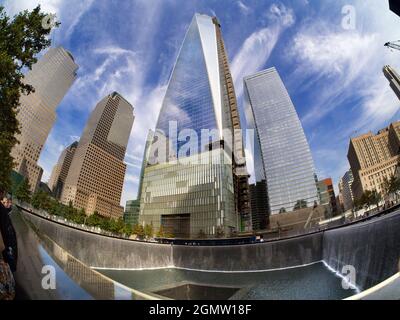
[
  {"x": 339, "y": 58},
  {"x": 133, "y": 157},
  {"x": 257, "y": 48},
  {"x": 131, "y": 178},
  {"x": 79, "y": 8},
  {"x": 243, "y": 8},
  {"x": 346, "y": 67},
  {"x": 133, "y": 165},
  {"x": 350, "y": 63}
]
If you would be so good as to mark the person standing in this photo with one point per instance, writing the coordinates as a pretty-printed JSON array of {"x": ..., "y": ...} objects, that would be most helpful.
[
  {"x": 9, "y": 237},
  {"x": 7, "y": 282}
]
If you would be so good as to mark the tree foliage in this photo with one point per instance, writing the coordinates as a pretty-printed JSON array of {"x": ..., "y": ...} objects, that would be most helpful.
[
  {"x": 41, "y": 200},
  {"x": 368, "y": 198},
  {"x": 138, "y": 230},
  {"x": 300, "y": 204},
  {"x": 22, "y": 192},
  {"x": 21, "y": 39},
  {"x": 202, "y": 234},
  {"x": 220, "y": 232},
  {"x": 148, "y": 230},
  {"x": 391, "y": 185},
  {"x": 160, "y": 233}
]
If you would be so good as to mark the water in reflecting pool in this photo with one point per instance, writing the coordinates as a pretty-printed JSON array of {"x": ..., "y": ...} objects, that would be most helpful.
[{"x": 308, "y": 282}]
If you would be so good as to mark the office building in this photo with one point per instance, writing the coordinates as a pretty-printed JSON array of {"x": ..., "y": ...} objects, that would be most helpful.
[
  {"x": 131, "y": 214},
  {"x": 146, "y": 152},
  {"x": 259, "y": 208},
  {"x": 51, "y": 77},
  {"x": 282, "y": 156},
  {"x": 60, "y": 170},
  {"x": 96, "y": 175},
  {"x": 327, "y": 195},
  {"x": 373, "y": 158},
  {"x": 199, "y": 185},
  {"x": 394, "y": 6},
  {"x": 345, "y": 191},
  {"x": 394, "y": 79}
]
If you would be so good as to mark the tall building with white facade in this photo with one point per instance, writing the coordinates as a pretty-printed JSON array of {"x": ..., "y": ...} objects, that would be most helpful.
[
  {"x": 51, "y": 77},
  {"x": 199, "y": 183},
  {"x": 282, "y": 156},
  {"x": 96, "y": 175}
]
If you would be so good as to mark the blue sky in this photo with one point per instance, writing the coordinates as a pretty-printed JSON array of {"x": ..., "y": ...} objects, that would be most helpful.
[{"x": 333, "y": 74}]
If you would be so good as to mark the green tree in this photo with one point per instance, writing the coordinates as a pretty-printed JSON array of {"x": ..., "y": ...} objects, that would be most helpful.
[
  {"x": 120, "y": 226},
  {"x": 23, "y": 193},
  {"x": 127, "y": 230},
  {"x": 282, "y": 210},
  {"x": 300, "y": 204},
  {"x": 390, "y": 186},
  {"x": 375, "y": 198},
  {"x": 94, "y": 220},
  {"x": 220, "y": 232},
  {"x": 41, "y": 200},
  {"x": 365, "y": 199},
  {"x": 201, "y": 234},
  {"x": 21, "y": 39},
  {"x": 368, "y": 198},
  {"x": 138, "y": 230},
  {"x": 168, "y": 234},
  {"x": 148, "y": 230},
  {"x": 160, "y": 233},
  {"x": 114, "y": 225}
]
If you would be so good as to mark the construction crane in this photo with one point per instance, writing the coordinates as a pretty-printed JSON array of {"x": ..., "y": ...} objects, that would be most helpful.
[{"x": 393, "y": 45}]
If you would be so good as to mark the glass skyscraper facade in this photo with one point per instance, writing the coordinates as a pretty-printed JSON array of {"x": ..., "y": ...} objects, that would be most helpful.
[
  {"x": 282, "y": 156},
  {"x": 131, "y": 213},
  {"x": 194, "y": 186}
]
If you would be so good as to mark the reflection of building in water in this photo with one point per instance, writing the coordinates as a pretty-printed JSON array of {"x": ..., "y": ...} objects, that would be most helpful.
[{"x": 179, "y": 192}]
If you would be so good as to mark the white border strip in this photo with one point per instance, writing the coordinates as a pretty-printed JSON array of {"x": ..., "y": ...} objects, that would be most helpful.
[{"x": 374, "y": 289}]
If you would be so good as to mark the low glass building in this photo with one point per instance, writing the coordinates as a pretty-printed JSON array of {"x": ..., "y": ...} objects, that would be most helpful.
[{"x": 131, "y": 214}]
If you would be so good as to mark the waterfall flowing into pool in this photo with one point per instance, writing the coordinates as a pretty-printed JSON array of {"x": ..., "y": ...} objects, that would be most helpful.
[{"x": 289, "y": 268}]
